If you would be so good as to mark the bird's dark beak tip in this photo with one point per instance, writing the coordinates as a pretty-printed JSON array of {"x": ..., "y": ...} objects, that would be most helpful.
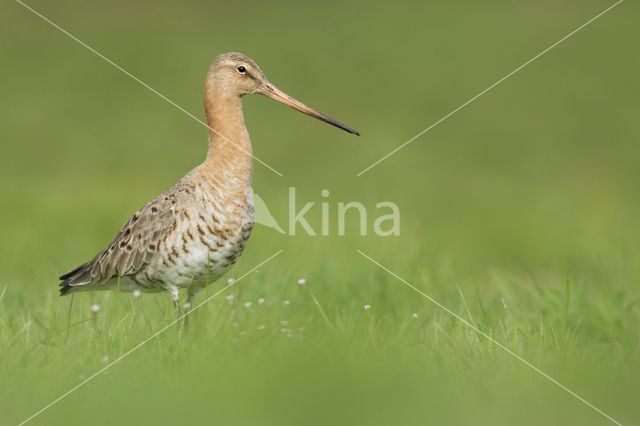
[{"x": 350, "y": 130}]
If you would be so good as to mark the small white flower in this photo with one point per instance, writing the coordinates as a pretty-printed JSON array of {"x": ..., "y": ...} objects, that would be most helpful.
[
  {"x": 286, "y": 302},
  {"x": 105, "y": 359},
  {"x": 230, "y": 297},
  {"x": 136, "y": 293},
  {"x": 187, "y": 305},
  {"x": 260, "y": 301},
  {"x": 302, "y": 281},
  {"x": 242, "y": 333},
  {"x": 230, "y": 280},
  {"x": 248, "y": 304},
  {"x": 284, "y": 330},
  {"x": 284, "y": 322},
  {"x": 415, "y": 315},
  {"x": 235, "y": 324},
  {"x": 261, "y": 327},
  {"x": 95, "y": 307},
  {"x": 367, "y": 307}
]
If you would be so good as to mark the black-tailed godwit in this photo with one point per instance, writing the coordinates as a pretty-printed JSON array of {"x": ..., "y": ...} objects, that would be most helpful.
[{"x": 201, "y": 225}]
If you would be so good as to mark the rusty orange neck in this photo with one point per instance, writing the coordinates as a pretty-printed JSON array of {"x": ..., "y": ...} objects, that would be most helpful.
[{"x": 229, "y": 159}]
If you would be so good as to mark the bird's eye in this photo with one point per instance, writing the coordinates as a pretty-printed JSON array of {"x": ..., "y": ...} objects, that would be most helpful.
[{"x": 241, "y": 69}]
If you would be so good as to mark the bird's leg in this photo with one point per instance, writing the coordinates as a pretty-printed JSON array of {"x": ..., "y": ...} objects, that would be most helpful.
[
  {"x": 175, "y": 295},
  {"x": 187, "y": 305},
  {"x": 187, "y": 309},
  {"x": 192, "y": 292}
]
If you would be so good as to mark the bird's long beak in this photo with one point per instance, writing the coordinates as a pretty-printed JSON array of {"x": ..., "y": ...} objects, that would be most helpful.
[{"x": 271, "y": 91}]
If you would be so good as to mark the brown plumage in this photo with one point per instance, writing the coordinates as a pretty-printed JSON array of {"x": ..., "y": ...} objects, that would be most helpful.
[
  {"x": 201, "y": 225},
  {"x": 135, "y": 246}
]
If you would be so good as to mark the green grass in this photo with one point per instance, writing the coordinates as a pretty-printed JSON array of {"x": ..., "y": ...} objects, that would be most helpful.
[{"x": 519, "y": 214}]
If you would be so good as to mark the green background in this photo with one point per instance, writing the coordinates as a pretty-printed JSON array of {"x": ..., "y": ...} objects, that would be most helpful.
[{"x": 519, "y": 213}]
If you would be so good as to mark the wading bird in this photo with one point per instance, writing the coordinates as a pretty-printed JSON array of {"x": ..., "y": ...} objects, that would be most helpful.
[{"x": 200, "y": 226}]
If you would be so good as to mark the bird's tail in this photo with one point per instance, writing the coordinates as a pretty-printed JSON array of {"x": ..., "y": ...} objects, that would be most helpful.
[{"x": 76, "y": 277}]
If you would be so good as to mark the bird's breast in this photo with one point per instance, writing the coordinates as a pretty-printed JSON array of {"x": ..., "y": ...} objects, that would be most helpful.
[{"x": 207, "y": 239}]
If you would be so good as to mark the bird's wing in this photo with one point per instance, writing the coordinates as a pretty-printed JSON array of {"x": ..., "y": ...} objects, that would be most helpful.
[{"x": 136, "y": 244}]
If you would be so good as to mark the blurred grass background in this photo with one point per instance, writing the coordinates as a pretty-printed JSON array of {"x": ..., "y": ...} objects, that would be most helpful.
[{"x": 525, "y": 203}]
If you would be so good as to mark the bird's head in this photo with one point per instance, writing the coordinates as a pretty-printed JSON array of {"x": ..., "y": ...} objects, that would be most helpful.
[{"x": 234, "y": 74}]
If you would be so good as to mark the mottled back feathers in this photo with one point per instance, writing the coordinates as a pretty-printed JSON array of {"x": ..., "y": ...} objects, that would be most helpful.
[{"x": 137, "y": 243}]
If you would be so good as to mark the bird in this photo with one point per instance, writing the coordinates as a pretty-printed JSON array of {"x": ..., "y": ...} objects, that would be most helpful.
[{"x": 194, "y": 232}]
